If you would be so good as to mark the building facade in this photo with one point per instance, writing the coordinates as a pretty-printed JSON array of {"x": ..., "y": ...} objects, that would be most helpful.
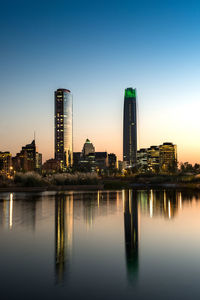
[
  {"x": 5, "y": 163},
  {"x": 154, "y": 159},
  {"x": 64, "y": 128},
  {"x": 168, "y": 157},
  {"x": 25, "y": 160},
  {"x": 88, "y": 148},
  {"x": 130, "y": 127}
]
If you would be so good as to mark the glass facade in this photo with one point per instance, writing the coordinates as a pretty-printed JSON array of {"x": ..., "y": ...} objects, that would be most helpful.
[
  {"x": 64, "y": 127},
  {"x": 130, "y": 127}
]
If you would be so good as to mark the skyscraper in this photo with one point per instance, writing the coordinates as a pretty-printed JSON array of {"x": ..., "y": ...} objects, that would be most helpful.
[
  {"x": 63, "y": 128},
  {"x": 130, "y": 127}
]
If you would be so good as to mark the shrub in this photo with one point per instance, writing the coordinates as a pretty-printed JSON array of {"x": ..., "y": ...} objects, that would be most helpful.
[{"x": 29, "y": 179}]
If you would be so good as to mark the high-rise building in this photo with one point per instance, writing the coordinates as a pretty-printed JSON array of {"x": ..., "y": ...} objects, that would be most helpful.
[
  {"x": 63, "y": 128},
  {"x": 130, "y": 127}
]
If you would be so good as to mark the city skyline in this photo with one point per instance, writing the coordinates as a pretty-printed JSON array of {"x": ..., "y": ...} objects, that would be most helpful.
[{"x": 106, "y": 49}]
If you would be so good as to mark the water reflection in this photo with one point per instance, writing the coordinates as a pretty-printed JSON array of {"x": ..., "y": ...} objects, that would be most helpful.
[
  {"x": 84, "y": 239},
  {"x": 21, "y": 215},
  {"x": 131, "y": 233},
  {"x": 63, "y": 234},
  {"x": 160, "y": 203}
]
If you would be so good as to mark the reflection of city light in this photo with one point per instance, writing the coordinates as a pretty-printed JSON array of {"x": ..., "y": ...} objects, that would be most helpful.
[
  {"x": 165, "y": 203},
  {"x": 11, "y": 210},
  {"x": 180, "y": 200},
  {"x": 130, "y": 203},
  {"x": 123, "y": 199},
  {"x": 98, "y": 196},
  {"x": 151, "y": 204},
  {"x": 169, "y": 210}
]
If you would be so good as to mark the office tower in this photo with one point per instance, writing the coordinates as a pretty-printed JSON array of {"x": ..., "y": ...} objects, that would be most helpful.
[
  {"x": 88, "y": 148},
  {"x": 130, "y": 127},
  {"x": 63, "y": 128},
  {"x": 168, "y": 157}
]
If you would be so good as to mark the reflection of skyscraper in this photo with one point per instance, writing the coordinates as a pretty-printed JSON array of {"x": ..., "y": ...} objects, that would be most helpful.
[
  {"x": 130, "y": 127},
  {"x": 63, "y": 127},
  {"x": 131, "y": 233},
  {"x": 63, "y": 233}
]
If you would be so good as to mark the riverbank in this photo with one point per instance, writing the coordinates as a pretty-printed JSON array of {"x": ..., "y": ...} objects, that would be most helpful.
[{"x": 108, "y": 185}]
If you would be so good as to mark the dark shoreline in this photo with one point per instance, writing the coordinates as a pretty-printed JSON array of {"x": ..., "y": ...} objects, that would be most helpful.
[{"x": 107, "y": 186}]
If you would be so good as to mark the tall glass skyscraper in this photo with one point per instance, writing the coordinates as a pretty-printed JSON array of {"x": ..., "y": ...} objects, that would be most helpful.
[
  {"x": 64, "y": 127},
  {"x": 130, "y": 127}
]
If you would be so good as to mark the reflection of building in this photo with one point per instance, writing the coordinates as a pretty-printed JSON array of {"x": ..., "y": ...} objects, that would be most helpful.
[
  {"x": 63, "y": 233},
  {"x": 131, "y": 233},
  {"x": 63, "y": 127},
  {"x": 20, "y": 213},
  {"x": 130, "y": 127},
  {"x": 159, "y": 203}
]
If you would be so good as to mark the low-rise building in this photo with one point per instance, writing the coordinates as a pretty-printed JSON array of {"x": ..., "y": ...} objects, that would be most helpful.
[
  {"x": 158, "y": 159},
  {"x": 51, "y": 166},
  {"x": 168, "y": 157}
]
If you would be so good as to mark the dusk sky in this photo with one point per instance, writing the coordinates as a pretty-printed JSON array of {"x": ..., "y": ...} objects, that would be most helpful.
[{"x": 97, "y": 49}]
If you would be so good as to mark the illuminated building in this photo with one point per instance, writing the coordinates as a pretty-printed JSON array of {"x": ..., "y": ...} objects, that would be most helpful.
[
  {"x": 27, "y": 159},
  {"x": 38, "y": 162},
  {"x": 64, "y": 128},
  {"x": 168, "y": 157},
  {"x": 158, "y": 159},
  {"x": 142, "y": 159},
  {"x": 88, "y": 148},
  {"x": 153, "y": 159},
  {"x": 130, "y": 127},
  {"x": 5, "y": 163}
]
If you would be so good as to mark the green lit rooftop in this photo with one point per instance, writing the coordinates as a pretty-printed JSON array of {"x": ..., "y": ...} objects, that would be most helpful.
[{"x": 130, "y": 93}]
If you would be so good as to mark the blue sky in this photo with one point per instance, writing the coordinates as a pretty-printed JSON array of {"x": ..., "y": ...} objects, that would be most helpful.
[{"x": 97, "y": 49}]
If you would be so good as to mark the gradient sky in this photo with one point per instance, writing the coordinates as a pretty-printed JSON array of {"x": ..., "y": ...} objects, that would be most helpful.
[{"x": 97, "y": 49}]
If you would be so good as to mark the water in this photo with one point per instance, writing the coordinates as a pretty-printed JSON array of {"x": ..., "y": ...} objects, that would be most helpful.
[{"x": 100, "y": 245}]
